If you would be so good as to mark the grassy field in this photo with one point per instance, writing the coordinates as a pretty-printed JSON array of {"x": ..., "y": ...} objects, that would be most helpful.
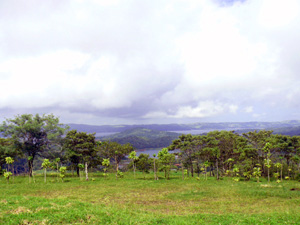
[{"x": 139, "y": 201}]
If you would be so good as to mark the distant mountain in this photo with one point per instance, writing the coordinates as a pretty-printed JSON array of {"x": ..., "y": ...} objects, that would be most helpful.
[
  {"x": 157, "y": 135},
  {"x": 291, "y": 131},
  {"x": 143, "y": 138},
  {"x": 185, "y": 128}
]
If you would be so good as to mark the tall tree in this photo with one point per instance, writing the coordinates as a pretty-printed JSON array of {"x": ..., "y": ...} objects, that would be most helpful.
[
  {"x": 81, "y": 147},
  {"x": 33, "y": 135}
]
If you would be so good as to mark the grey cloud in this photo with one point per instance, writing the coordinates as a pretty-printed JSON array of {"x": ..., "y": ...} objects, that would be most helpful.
[{"x": 147, "y": 61}]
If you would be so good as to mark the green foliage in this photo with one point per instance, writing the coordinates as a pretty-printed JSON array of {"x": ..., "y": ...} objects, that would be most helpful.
[
  {"x": 46, "y": 163},
  {"x": 7, "y": 175},
  {"x": 33, "y": 135},
  {"x": 166, "y": 159},
  {"x": 9, "y": 160},
  {"x": 120, "y": 174},
  {"x": 144, "y": 163},
  {"x": 256, "y": 173},
  {"x": 62, "y": 170},
  {"x": 105, "y": 163},
  {"x": 115, "y": 151}
]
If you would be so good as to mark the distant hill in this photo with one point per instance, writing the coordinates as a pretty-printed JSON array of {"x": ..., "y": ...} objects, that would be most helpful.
[
  {"x": 143, "y": 138},
  {"x": 185, "y": 128},
  {"x": 291, "y": 131}
]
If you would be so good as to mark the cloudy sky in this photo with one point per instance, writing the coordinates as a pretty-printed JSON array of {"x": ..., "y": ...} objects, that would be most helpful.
[{"x": 150, "y": 61}]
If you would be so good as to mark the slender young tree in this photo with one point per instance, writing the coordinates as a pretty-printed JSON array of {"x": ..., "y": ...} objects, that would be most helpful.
[
  {"x": 9, "y": 161},
  {"x": 46, "y": 164},
  {"x": 106, "y": 164},
  {"x": 57, "y": 161},
  {"x": 155, "y": 167},
  {"x": 80, "y": 168},
  {"x": 134, "y": 159},
  {"x": 166, "y": 159},
  {"x": 267, "y": 159}
]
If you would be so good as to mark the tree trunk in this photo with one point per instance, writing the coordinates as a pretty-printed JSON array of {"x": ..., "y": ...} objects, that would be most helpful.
[
  {"x": 182, "y": 170},
  {"x": 154, "y": 169},
  {"x": 57, "y": 176},
  {"x": 198, "y": 169},
  {"x": 86, "y": 172},
  {"x": 117, "y": 169},
  {"x": 30, "y": 165},
  {"x": 78, "y": 171},
  {"x": 217, "y": 165},
  {"x": 13, "y": 173},
  {"x": 45, "y": 172},
  {"x": 192, "y": 168},
  {"x": 281, "y": 173},
  {"x": 134, "y": 170}
]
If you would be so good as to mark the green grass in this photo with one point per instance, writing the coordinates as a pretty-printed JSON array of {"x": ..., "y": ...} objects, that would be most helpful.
[{"x": 139, "y": 201}]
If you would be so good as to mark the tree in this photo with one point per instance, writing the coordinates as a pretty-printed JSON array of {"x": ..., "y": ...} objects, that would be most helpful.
[
  {"x": 154, "y": 167},
  {"x": 32, "y": 135},
  {"x": 144, "y": 163},
  {"x": 6, "y": 150},
  {"x": 46, "y": 164},
  {"x": 106, "y": 164},
  {"x": 257, "y": 172},
  {"x": 62, "y": 172},
  {"x": 56, "y": 161},
  {"x": 166, "y": 159},
  {"x": 81, "y": 147},
  {"x": 134, "y": 159},
  {"x": 187, "y": 146},
  {"x": 268, "y": 161},
  {"x": 115, "y": 151},
  {"x": 80, "y": 167},
  {"x": 9, "y": 161}
]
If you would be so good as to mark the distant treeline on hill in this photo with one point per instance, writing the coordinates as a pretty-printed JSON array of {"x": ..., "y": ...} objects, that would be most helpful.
[
  {"x": 188, "y": 127},
  {"x": 145, "y": 138}
]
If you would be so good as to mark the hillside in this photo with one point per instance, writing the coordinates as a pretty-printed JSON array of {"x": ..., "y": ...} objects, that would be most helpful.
[
  {"x": 201, "y": 127},
  {"x": 143, "y": 138}
]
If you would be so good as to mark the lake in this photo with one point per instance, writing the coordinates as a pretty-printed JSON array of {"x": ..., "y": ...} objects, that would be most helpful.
[{"x": 151, "y": 151}]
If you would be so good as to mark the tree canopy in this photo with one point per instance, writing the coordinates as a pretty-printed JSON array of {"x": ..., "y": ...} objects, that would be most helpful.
[{"x": 33, "y": 135}]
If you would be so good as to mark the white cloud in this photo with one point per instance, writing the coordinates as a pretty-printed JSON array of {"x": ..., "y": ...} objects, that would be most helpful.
[
  {"x": 248, "y": 109},
  {"x": 278, "y": 13},
  {"x": 151, "y": 59}
]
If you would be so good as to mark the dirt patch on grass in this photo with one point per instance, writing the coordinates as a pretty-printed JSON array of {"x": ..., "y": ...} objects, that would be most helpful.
[
  {"x": 25, "y": 222},
  {"x": 19, "y": 210},
  {"x": 3, "y": 201}
]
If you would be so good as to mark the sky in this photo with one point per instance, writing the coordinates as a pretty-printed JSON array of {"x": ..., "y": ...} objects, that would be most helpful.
[{"x": 139, "y": 62}]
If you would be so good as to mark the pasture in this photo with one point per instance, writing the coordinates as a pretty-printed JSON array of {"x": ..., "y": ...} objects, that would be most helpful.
[{"x": 132, "y": 200}]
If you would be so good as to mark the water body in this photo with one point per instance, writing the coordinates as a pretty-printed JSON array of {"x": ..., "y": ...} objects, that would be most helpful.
[{"x": 151, "y": 151}]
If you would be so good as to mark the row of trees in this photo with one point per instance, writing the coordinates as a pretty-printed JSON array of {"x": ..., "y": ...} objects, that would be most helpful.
[
  {"x": 219, "y": 153},
  {"x": 225, "y": 153},
  {"x": 32, "y": 137}
]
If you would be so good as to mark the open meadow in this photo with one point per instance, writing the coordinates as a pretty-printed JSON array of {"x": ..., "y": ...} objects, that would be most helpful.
[{"x": 132, "y": 200}]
